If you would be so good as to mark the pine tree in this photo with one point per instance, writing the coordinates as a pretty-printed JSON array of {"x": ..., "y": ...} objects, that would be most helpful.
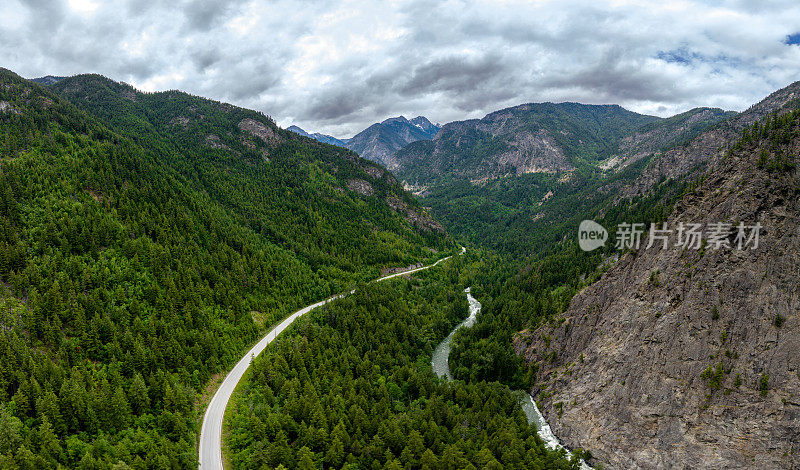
[
  {"x": 305, "y": 459},
  {"x": 137, "y": 395}
]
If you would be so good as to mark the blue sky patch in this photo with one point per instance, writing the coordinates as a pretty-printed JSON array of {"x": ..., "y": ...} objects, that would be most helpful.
[
  {"x": 680, "y": 56},
  {"x": 792, "y": 39}
]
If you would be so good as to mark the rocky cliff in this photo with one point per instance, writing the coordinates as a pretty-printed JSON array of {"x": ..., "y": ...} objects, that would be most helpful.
[
  {"x": 380, "y": 141},
  {"x": 711, "y": 144},
  {"x": 659, "y": 136},
  {"x": 530, "y": 138},
  {"x": 688, "y": 358}
]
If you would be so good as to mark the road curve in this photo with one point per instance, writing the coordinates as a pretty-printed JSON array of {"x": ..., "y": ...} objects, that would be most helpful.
[{"x": 211, "y": 431}]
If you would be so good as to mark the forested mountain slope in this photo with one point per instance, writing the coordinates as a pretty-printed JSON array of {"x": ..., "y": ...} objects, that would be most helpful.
[
  {"x": 145, "y": 241},
  {"x": 710, "y": 145},
  {"x": 661, "y": 135},
  {"x": 317, "y": 200},
  {"x": 530, "y": 138},
  {"x": 685, "y": 358}
]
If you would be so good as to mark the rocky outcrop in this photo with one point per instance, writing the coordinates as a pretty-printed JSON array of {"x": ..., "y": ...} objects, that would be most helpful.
[
  {"x": 656, "y": 137},
  {"x": 212, "y": 140},
  {"x": 710, "y": 145},
  {"x": 373, "y": 171},
  {"x": 420, "y": 219},
  {"x": 6, "y": 107},
  {"x": 684, "y": 358},
  {"x": 360, "y": 186},
  {"x": 260, "y": 130}
]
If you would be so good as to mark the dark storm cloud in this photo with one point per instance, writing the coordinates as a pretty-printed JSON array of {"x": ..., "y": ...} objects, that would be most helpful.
[
  {"x": 455, "y": 74},
  {"x": 205, "y": 58},
  {"x": 615, "y": 78},
  {"x": 202, "y": 15},
  {"x": 335, "y": 106},
  {"x": 338, "y": 66},
  {"x": 48, "y": 14}
]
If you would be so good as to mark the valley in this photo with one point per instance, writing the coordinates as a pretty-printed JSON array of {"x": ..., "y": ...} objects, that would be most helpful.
[{"x": 153, "y": 241}]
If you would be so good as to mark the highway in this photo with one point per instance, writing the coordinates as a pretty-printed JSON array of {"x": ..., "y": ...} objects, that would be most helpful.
[{"x": 211, "y": 430}]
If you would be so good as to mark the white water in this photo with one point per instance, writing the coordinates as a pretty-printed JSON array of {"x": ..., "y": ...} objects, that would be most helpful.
[{"x": 439, "y": 363}]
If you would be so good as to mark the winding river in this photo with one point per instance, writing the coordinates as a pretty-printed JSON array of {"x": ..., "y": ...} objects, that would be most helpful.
[{"x": 439, "y": 362}]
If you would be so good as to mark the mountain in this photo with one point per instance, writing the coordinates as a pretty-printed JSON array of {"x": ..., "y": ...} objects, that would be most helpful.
[
  {"x": 47, "y": 80},
  {"x": 520, "y": 210},
  {"x": 146, "y": 239},
  {"x": 530, "y": 138},
  {"x": 380, "y": 141},
  {"x": 681, "y": 357},
  {"x": 662, "y": 135},
  {"x": 688, "y": 159},
  {"x": 327, "y": 139}
]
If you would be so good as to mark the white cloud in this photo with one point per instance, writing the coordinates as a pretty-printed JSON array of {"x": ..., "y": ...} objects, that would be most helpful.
[{"x": 338, "y": 66}]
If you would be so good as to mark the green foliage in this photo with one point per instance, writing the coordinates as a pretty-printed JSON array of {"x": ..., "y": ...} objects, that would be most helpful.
[
  {"x": 523, "y": 294},
  {"x": 763, "y": 384},
  {"x": 585, "y": 134},
  {"x": 655, "y": 279},
  {"x": 352, "y": 384},
  {"x": 529, "y": 214},
  {"x": 132, "y": 253},
  {"x": 772, "y": 134},
  {"x": 714, "y": 376}
]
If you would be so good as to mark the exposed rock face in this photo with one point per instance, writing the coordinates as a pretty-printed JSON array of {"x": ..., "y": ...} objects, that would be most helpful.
[
  {"x": 373, "y": 171},
  {"x": 47, "y": 80},
  {"x": 360, "y": 186},
  {"x": 212, "y": 140},
  {"x": 711, "y": 144},
  {"x": 260, "y": 130},
  {"x": 6, "y": 107},
  {"x": 530, "y": 138},
  {"x": 420, "y": 219},
  {"x": 531, "y": 152},
  {"x": 660, "y": 363},
  {"x": 380, "y": 141},
  {"x": 387, "y": 271},
  {"x": 129, "y": 95},
  {"x": 182, "y": 121},
  {"x": 654, "y": 138}
]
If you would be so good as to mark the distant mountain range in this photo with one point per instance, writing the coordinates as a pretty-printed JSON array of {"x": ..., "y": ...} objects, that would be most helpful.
[
  {"x": 324, "y": 138},
  {"x": 47, "y": 80},
  {"x": 380, "y": 141},
  {"x": 544, "y": 138}
]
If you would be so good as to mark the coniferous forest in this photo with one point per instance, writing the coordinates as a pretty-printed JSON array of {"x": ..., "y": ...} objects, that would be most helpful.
[
  {"x": 138, "y": 262},
  {"x": 351, "y": 386},
  {"x": 274, "y": 235},
  {"x": 148, "y": 240}
]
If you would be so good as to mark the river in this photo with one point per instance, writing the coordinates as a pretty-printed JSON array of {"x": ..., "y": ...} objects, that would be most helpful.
[{"x": 441, "y": 368}]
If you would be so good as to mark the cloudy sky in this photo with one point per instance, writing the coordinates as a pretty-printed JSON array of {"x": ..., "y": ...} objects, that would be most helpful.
[{"x": 338, "y": 66}]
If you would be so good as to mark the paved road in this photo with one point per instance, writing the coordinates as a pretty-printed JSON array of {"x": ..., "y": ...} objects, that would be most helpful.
[{"x": 211, "y": 432}]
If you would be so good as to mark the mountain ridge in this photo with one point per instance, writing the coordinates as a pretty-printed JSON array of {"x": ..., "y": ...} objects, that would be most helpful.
[
  {"x": 684, "y": 357},
  {"x": 381, "y": 140},
  {"x": 145, "y": 240}
]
